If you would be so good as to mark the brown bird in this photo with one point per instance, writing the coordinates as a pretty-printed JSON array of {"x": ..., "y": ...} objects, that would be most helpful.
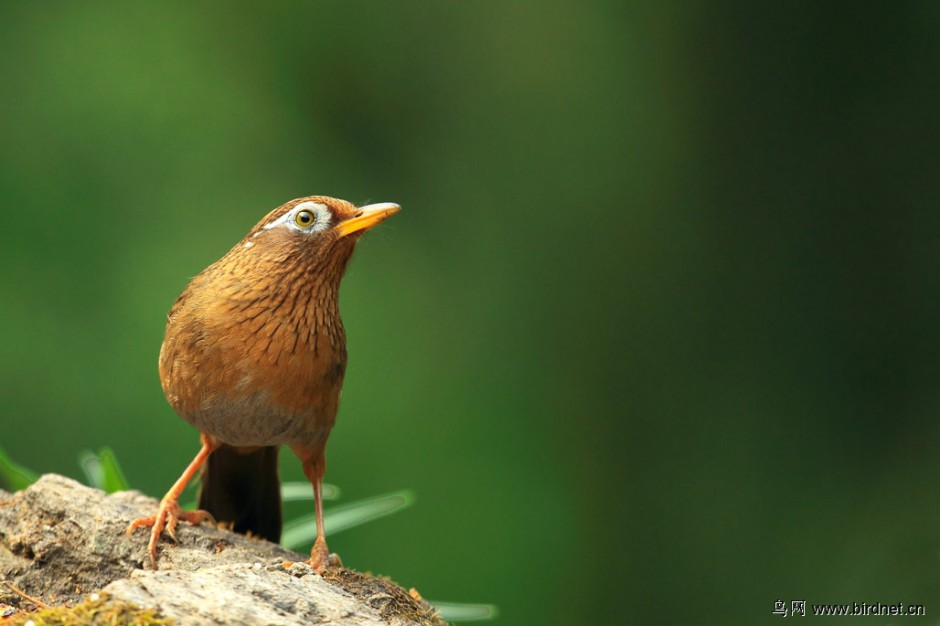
[{"x": 254, "y": 357}]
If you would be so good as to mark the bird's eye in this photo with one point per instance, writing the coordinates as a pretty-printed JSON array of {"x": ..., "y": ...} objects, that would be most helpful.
[{"x": 304, "y": 219}]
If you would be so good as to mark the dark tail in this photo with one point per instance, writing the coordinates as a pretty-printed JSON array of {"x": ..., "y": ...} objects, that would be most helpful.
[{"x": 244, "y": 488}]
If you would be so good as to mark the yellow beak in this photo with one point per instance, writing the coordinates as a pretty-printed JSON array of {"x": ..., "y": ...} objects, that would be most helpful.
[{"x": 368, "y": 217}]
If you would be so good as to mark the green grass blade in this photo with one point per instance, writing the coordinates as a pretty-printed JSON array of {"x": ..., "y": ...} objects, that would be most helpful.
[
  {"x": 15, "y": 476},
  {"x": 102, "y": 470},
  {"x": 460, "y": 612},
  {"x": 302, "y": 531},
  {"x": 293, "y": 491},
  {"x": 112, "y": 475},
  {"x": 91, "y": 465}
]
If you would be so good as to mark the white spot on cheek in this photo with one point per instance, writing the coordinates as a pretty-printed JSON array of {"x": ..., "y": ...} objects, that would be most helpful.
[{"x": 248, "y": 244}]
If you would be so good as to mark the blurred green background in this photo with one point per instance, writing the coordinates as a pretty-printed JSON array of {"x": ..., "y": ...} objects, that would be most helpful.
[{"x": 655, "y": 337}]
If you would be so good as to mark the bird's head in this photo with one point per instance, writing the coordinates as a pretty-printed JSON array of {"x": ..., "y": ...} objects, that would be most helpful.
[{"x": 316, "y": 231}]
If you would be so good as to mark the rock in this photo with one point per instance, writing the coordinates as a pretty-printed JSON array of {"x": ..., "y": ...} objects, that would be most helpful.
[{"x": 60, "y": 540}]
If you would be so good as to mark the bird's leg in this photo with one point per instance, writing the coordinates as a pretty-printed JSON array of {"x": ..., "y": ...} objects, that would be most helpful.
[
  {"x": 313, "y": 461},
  {"x": 169, "y": 513}
]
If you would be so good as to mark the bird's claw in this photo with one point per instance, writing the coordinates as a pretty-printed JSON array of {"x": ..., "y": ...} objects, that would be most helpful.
[
  {"x": 168, "y": 516},
  {"x": 321, "y": 558}
]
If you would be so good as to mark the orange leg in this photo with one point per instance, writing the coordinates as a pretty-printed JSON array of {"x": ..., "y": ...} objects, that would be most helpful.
[
  {"x": 314, "y": 465},
  {"x": 169, "y": 513}
]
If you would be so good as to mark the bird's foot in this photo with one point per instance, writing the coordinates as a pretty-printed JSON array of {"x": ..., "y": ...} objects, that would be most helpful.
[
  {"x": 321, "y": 559},
  {"x": 168, "y": 516}
]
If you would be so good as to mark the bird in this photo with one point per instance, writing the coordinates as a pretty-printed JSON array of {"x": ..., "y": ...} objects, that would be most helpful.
[{"x": 253, "y": 357}]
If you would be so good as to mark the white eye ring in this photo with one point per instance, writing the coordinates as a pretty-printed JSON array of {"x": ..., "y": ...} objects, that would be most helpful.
[{"x": 321, "y": 218}]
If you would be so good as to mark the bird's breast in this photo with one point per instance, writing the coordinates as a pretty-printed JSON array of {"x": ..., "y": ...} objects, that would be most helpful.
[{"x": 256, "y": 372}]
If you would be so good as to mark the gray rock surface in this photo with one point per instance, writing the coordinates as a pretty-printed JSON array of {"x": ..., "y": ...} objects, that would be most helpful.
[{"x": 60, "y": 540}]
